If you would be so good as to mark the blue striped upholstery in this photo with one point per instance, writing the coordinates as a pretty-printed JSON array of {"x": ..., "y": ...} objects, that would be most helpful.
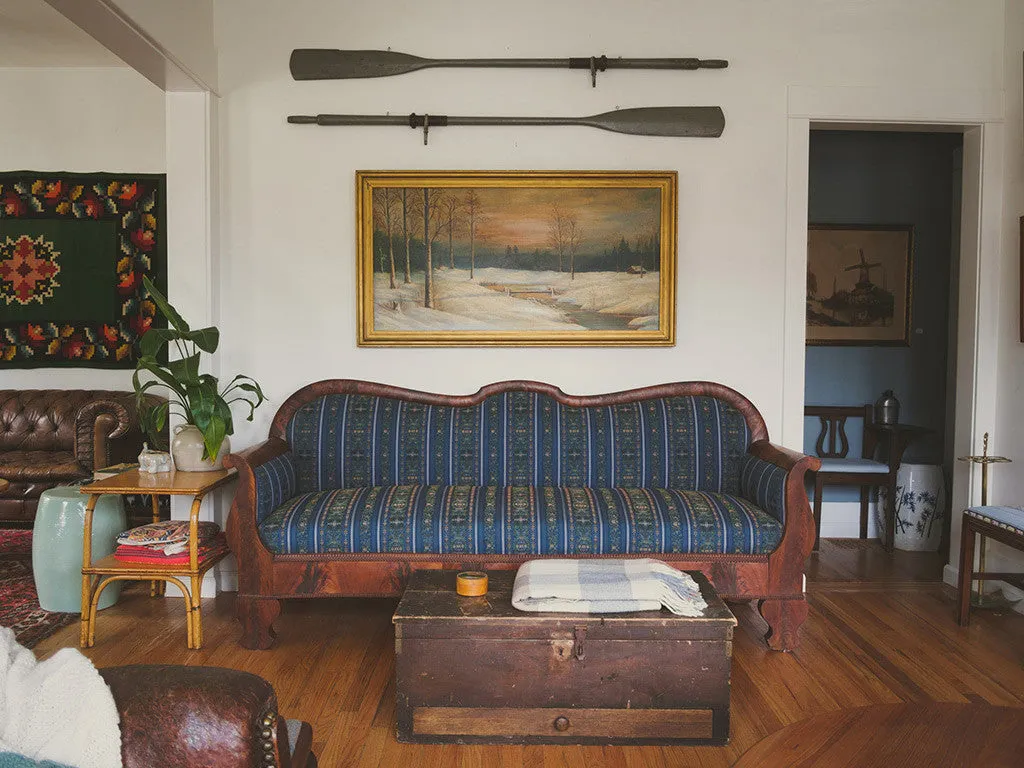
[
  {"x": 1010, "y": 518},
  {"x": 518, "y": 439},
  {"x": 522, "y": 520},
  {"x": 275, "y": 482},
  {"x": 764, "y": 484}
]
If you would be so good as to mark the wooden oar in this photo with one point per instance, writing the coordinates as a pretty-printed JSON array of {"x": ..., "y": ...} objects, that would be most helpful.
[
  {"x": 332, "y": 64},
  {"x": 642, "y": 121}
]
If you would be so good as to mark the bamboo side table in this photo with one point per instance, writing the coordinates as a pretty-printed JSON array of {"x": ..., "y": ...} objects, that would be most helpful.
[{"x": 96, "y": 576}]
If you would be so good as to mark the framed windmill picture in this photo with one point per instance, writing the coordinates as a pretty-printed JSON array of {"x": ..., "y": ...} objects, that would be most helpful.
[{"x": 859, "y": 284}]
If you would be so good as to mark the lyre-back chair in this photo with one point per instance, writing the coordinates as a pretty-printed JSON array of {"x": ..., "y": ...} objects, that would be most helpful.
[{"x": 837, "y": 468}]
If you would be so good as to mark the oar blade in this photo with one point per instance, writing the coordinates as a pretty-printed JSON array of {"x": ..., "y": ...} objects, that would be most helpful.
[
  {"x": 332, "y": 64},
  {"x": 663, "y": 121}
]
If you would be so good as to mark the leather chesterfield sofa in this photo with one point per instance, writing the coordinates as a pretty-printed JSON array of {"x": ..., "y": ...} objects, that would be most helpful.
[
  {"x": 54, "y": 436},
  {"x": 204, "y": 717}
]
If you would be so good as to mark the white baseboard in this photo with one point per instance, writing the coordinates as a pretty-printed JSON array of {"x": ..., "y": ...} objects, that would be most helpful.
[{"x": 841, "y": 520}]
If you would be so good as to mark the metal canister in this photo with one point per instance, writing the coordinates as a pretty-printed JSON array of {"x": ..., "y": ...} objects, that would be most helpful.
[{"x": 887, "y": 408}]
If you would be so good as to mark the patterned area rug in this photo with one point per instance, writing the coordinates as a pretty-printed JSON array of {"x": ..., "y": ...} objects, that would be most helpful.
[{"x": 19, "y": 604}]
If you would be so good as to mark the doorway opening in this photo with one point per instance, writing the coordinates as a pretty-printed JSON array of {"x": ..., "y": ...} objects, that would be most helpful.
[{"x": 884, "y": 211}]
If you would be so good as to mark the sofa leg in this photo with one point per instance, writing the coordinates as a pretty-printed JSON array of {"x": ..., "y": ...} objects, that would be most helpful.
[
  {"x": 784, "y": 619},
  {"x": 257, "y": 615}
]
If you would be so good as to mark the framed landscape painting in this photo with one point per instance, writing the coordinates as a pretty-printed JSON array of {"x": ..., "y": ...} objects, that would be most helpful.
[
  {"x": 859, "y": 280},
  {"x": 524, "y": 258}
]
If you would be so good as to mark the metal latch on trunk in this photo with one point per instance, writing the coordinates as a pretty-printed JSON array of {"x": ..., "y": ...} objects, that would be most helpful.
[{"x": 579, "y": 634}]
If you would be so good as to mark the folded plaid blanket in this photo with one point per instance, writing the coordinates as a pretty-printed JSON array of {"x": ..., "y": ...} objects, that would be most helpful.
[{"x": 605, "y": 586}]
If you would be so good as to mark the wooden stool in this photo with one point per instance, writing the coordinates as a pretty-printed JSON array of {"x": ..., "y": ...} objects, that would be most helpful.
[{"x": 1005, "y": 525}]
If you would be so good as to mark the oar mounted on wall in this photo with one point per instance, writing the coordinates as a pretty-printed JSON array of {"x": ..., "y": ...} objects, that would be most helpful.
[{"x": 333, "y": 64}]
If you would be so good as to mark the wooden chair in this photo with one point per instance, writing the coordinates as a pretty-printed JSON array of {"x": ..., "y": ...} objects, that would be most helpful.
[
  {"x": 833, "y": 447},
  {"x": 1005, "y": 525}
]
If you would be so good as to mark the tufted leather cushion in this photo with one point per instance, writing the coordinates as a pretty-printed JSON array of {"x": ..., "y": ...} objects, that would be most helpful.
[
  {"x": 42, "y": 419},
  {"x": 190, "y": 716},
  {"x": 27, "y": 466}
]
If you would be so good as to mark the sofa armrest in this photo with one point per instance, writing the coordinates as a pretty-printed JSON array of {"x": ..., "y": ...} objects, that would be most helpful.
[
  {"x": 269, "y": 472},
  {"x": 209, "y": 716},
  {"x": 769, "y": 472},
  {"x": 99, "y": 422}
]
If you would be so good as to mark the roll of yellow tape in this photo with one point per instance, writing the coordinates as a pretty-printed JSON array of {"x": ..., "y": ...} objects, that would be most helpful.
[{"x": 471, "y": 583}]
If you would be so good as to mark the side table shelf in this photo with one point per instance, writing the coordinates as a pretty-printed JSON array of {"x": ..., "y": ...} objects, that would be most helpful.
[{"x": 96, "y": 576}]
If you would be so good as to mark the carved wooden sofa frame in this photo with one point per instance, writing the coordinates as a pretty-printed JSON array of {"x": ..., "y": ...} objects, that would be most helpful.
[{"x": 775, "y": 580}]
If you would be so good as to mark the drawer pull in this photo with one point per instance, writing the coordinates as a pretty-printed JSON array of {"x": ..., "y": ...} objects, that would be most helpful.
[{"x": 562, "y": 723}]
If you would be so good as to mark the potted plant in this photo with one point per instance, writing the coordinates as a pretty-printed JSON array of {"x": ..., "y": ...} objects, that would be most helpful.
[{"x": 201, "y": 443}]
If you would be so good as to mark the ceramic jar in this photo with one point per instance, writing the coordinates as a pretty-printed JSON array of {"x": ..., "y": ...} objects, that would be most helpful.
[
  {"x": 187, "y": 449},
  {"x": 920, "y": 507},
  {"x": 57, "y": 546}
]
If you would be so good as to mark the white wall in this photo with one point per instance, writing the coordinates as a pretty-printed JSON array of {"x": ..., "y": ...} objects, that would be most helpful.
[
  {"x": 82, "y": 119},
  {"x": 1007, "y": 481},
  {"x": 288, "y": 285}
]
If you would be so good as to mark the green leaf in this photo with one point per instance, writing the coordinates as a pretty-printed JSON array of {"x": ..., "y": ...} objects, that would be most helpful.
[
  {"x": 150, "y": 365},
  {"x": 186, "y": 370},
  {"x": 153, "y": 339},
  {"x": 176, "y": 320},
  {"x": 213, "y": 436},
  {"x": 204, "y": 338}
]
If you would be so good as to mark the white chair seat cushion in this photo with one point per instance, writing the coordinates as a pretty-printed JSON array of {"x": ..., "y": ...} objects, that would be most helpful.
[
  {"x": 854, "y": 465},
  {"x": 1010, "y": 518}
]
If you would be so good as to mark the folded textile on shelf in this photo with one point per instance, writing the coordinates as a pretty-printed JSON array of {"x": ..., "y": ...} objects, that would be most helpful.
[
  {"x": 169, "y": 537},
  {"x": 605, "y": 586},
  {"x": 211, "y": 545}
]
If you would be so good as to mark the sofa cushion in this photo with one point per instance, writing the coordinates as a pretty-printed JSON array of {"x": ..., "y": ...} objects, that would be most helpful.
[
  {"x": 40, "y": 465},
  {"x": 518, "y": 439},
  {"x": 520, "y": 520}
]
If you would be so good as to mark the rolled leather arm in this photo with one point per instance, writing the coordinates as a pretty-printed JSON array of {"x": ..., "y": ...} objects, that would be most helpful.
[
  {"x": 210, "y": 716},
  {"x": 96, "y": 424}
]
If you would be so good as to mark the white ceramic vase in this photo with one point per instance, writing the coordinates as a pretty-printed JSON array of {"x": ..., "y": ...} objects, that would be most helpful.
[
  {"x": 920, "y": 507},
  {"x": 187, "y": 450}
]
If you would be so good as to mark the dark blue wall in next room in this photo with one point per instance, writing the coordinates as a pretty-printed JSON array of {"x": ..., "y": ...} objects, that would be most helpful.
[{"x": 869, "y": 177}]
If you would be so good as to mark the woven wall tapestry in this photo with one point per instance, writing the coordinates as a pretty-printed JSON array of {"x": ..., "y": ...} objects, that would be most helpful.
[{"x": 73, "y": 251}]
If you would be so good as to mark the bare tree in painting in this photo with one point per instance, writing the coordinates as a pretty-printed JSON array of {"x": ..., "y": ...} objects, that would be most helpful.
[
  {"x": 472, "y": 206},
  {"x": 407, "y": 208},
  {"x": 451, "y": 208},
  {"x": 385, "y": 218},
  {"x": 433, "y": 225},
  {"x": 556, "y": 231},
  {"x": 573, "y": 240}
]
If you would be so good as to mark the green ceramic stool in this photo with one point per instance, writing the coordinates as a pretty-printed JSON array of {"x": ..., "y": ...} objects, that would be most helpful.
[{"x": 57, "y": 546}]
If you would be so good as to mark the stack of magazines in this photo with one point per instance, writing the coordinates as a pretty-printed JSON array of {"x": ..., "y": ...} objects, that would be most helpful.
[{"x": 167, "y": 543}]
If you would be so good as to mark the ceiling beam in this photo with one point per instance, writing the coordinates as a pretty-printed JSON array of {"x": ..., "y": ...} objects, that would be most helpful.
[{"x": 116, "y": 31}]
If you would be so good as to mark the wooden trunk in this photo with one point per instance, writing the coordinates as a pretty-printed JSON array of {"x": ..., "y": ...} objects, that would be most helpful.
[{"x": 476, "y": 670}]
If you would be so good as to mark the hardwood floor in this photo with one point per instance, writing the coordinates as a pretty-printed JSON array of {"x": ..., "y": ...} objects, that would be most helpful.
[{"x": 866, "y": 641}]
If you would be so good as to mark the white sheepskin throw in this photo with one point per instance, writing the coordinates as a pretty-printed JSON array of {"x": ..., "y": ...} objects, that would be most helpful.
[{"x": 59, "y": 709}]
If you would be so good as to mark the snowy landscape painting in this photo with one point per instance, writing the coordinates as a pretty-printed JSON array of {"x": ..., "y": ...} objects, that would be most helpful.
[{"x": 516, "y": 258}]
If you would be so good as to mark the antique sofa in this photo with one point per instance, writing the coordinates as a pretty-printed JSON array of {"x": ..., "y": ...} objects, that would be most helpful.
[
  {"x": 360, "y": 483},
  {"x": 54, "y": 436}
]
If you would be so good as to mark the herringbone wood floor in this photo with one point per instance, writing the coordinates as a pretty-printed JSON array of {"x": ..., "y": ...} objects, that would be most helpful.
[{"x": 879, "y": 632}]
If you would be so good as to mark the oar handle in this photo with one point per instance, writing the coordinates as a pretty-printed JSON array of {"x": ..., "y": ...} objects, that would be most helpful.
[{"x": 602, "y": 63}]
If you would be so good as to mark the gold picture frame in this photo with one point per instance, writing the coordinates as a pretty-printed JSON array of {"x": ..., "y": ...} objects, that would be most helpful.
[
  {"x": 517, "y": 258},
  {"x": 859, "y": 284}
]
